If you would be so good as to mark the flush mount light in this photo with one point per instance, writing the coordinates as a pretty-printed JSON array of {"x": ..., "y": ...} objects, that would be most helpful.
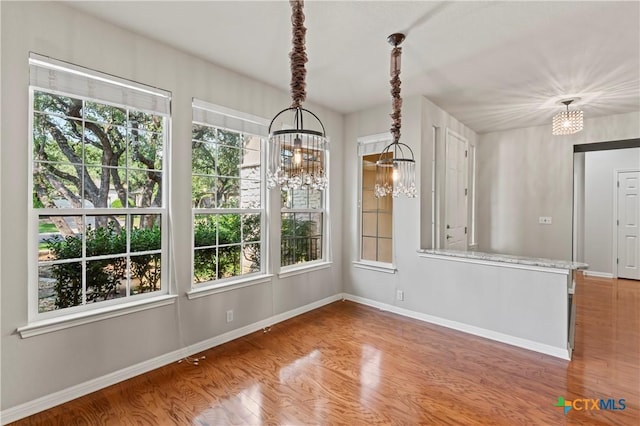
[
  {"x": 567, "y": 122},
  {"x": 297, "y": 154},
  {"x": 396, "y": 167}
]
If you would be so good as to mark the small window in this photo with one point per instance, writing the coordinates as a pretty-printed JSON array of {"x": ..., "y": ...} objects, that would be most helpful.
[{"x": 376, "y": 214}]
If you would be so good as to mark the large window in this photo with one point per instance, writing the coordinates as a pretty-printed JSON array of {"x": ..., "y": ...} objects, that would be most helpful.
[
  {"x": 376, "y": 214},
  {"x": 227, "y": 195},
  {"x": 98, "y": 194}
]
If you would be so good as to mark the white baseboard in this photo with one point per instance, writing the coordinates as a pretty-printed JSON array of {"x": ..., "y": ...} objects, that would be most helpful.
[
  {"x": 597, "y": 274},
  {"x": 563, "y": 353},
  {"x": 32, "y": 407}
]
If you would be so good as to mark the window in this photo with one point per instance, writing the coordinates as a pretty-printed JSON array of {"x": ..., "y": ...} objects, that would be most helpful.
[
  {"x": 376, "y": 214},
  {"x": 227, "y": 194},
  {"x": 98, "y": 189},
  {"x": 302, "y": 226}
]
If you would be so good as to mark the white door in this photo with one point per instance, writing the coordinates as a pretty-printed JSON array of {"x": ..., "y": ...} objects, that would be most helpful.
[
  {"x": 627, "y": 221},
  {"x": 455, "y": 209}
]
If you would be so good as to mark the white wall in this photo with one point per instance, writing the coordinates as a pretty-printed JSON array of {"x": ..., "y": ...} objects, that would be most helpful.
[
  {"x": 527, "y": 173},
  {"x": 599, "y": 199},
  {"x": 37, "y": 366},
  {"x": 411, "y": 217}
]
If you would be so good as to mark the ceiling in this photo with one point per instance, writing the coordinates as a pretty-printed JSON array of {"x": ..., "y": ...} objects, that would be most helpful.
[{"x": 492, "y": 65}]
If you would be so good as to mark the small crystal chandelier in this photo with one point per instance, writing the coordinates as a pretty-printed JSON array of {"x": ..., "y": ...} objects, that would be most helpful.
[
  {"x": 396, "y": 167},
  {"x": 567, "y": 122},
  {"x": 297, "y": 154}
]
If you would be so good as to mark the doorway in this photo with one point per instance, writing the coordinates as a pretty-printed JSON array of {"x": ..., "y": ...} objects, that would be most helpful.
[{"x": 606, "y": 216}]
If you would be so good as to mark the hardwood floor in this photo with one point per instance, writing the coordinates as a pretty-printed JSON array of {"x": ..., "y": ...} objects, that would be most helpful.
[{"x": 350, "y": 364}]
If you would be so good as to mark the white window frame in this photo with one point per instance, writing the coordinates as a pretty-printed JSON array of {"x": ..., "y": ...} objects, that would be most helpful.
[
  {"x": 216, "y": 116},
  {"x": 60, "y": 78},
  {"x": 368, "y": 145}
]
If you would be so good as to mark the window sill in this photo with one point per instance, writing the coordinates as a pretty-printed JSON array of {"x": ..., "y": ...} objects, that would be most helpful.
[
  {"x": 303, "y": 269},
  {"x": 387, "y": 268},
  {"x": 228, "y": 286},
  {"x": 37, "y": 328}
]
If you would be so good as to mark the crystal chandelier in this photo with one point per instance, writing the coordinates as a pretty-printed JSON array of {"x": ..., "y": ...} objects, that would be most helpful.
[
  {"x": 297, "y": 154},
  {"x": 396, "y": 167},
  {"x": 567, "y": 122}
]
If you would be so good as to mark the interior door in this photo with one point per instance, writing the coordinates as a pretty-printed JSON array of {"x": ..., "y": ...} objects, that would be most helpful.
[
  {"x": 456, "y": 213},
  {"x": 628, "y": 258}
]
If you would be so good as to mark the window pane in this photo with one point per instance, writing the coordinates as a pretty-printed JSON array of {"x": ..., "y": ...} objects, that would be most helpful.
[
  {"x": 204, "y": 157},
  {"x": 229, "y": 229},
  {"x": 66, "y": 279},
  {"x": 106, "y": 235},
  {"x": 228, "y": 161},
  {"x": 228, "y": 261},
  {"x": 95, "y": 138},
  {"x": 145, "y": 273},
  {"x": 204, "y": 265},
  {"x": 104, "y": 113},
  {"x": 385, "y": 251},
  {"x": 57, "y": 139},
  {"x": 229, "y": 192},
  {"x": 46, "y": 289},
  {"x": 384, "y": 225},
  {"x": 315, "y": 199},
  {"x": 59, "y": 237},
  {"x": 204, "y": 191},
  {"x": 205, "y": 230},
  {"x": 249, "y": 194},
  {"x": 96, "y": 178},
  {"x": 251, "y": 228},
  {"x": 145, "y": 232},
  {"x": 56, "y": 185},
  {"x": 250, "y": 258},
  {"x": 145, "y": 121},
  {"x": 369, "y": 248},
  {"x": 204, "y": 133},
  {"x": 144, "y": 150},
  {"x": 144, "y": 188},
  {"x": 55, "y": 104},
  {"x": 106, "y": 279},
  {"x": 369, "y": 224}
]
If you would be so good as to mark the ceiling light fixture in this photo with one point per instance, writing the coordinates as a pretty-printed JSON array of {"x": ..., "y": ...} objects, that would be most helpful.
[
  {"x": 297, "y": 154},
  {"x": 567, "y": 122},
  {"x": 396, "y": 167}
]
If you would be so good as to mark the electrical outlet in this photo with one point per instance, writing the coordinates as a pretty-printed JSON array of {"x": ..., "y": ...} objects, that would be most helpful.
[
  {"x": 230, "y": 315},
  {"x": 400, "y": 295},
  {"x": 544, "y": 220}
]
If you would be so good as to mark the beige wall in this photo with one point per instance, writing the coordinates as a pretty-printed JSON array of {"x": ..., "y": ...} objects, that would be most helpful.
[{"x": 527, "y": 173}]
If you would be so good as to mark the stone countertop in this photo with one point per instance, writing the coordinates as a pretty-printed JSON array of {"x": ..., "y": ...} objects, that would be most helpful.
[{"x": 495, "y": 257}]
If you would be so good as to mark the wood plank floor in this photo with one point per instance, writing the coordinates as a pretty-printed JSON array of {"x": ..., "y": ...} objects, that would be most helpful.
[{"x": 350, "y": 364}]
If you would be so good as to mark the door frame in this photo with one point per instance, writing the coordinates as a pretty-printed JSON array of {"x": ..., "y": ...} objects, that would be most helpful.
[{"x": 614, "y": 242}]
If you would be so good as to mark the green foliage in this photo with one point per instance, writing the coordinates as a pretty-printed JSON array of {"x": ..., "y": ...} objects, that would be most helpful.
[
  {"x": 105, "y": 277},
  {"x": 298, "y": 239}
]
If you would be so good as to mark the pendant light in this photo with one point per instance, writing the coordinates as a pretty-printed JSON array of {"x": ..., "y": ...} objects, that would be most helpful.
[
  {"x": 567, "y": 122},
  {"x": 396, "y": 166},
  {"x": 297, "y": 154}
]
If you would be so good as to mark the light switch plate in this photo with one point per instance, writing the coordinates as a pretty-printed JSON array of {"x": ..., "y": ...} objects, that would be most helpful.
[{"x": 544, "y": 220}]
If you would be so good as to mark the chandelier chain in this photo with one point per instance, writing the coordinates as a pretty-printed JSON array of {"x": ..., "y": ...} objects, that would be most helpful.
[
  {"x": 298, "y": 55},
  {"x": 395, "y": 94}
]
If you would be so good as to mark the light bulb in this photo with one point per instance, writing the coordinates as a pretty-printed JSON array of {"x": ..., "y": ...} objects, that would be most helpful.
[
  {"x": 395, "y": 174},
  {"x": 566, "y": 124},
  {"x": 297, "y": 151},
  {"x": 297, "y": 157}
]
